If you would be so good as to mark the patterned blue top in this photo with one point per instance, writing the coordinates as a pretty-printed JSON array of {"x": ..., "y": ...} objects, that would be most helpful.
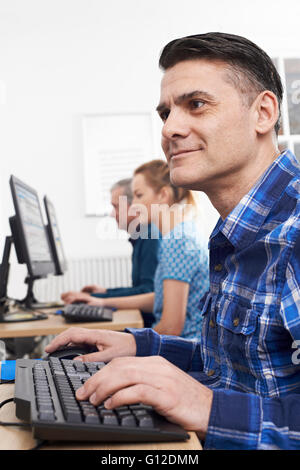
[
  {"x": 183, "y": 256},
  {"x": 251, "y": 328}
]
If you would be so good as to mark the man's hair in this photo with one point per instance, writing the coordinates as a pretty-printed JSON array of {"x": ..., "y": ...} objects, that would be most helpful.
[
  {"x": 125, "y": 184},
  {"x": 251, "y": 70}
]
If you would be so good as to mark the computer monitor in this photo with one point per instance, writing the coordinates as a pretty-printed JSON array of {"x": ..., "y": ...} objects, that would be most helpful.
[
  {"x": 30, "y": 237},
  {"x": 6, "y": 315},
  {"x": 32, "y": 243},
  {"x": 55, "y": 238},
  {"x": 4, "y": 274}
]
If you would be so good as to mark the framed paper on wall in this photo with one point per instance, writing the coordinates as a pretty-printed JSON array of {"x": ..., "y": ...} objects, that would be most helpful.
[{"x": 113, "y": 146}]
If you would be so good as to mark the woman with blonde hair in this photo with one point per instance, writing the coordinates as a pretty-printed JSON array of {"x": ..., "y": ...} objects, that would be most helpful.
[{"x": 181, "y": 277}]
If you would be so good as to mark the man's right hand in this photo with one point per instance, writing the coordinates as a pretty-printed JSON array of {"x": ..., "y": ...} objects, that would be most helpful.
[
  {"x": 110, "y": 344},
  {"x": 93, "y": 289}
]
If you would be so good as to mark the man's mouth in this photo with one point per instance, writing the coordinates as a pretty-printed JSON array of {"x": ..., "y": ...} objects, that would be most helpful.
[{"x": 183, "y": 152}]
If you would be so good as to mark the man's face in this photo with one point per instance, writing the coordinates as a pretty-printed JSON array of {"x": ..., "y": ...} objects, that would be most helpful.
[
  {"x": 120, "y": 208},
  {"x": 208, "y": 134}
]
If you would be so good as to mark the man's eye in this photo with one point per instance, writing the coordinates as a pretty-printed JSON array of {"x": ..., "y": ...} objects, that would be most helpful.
[
  {"x": 196, "y": 104},
  {"x": 164, "y": 115}
]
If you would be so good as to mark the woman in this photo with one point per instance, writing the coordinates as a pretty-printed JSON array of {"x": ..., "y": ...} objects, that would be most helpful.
[{"x": 181, "y": 278}]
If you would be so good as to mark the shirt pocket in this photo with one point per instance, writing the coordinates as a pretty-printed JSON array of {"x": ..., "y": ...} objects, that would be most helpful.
[{"x": 238, "y": 334}]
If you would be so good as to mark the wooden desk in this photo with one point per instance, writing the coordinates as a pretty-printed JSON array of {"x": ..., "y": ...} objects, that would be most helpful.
[
  {"x": 14, "y": 438},
  {"x": 55, "y": 324}
]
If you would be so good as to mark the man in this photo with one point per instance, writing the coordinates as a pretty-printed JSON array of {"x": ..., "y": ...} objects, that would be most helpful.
[
  {"x": 239, "y": 388},
  {"x": 144, "y": 254}
]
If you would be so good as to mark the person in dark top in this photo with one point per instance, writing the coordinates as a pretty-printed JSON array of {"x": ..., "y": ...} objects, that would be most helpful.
[{"x": 144, "y": 255}]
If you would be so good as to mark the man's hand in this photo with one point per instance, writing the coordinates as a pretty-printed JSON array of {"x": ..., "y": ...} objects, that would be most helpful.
[
  {"x": 110, "y": 344},
  {"x": 71, "y": 297},
  {"x": 152, "y": 381},
  {"x": 93, "y": 289}
]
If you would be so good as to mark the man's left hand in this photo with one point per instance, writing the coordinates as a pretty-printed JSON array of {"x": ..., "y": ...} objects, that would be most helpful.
[{"x": 152, "y": 381}]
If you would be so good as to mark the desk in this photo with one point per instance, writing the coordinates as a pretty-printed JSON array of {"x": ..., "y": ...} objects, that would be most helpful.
[
  {"x": 55, "y": 324},
  {"x": 14, "y": 438}
]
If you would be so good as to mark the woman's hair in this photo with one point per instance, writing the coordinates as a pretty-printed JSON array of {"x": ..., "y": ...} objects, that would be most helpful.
[{"x": 157, "y": 175}]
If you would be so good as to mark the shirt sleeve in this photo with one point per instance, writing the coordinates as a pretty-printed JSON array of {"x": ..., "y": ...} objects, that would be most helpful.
[
  {"x": 125, "y": 291},
  {"x": 245, "y": 421},
  {"x": 183, "y": 353},
  {"x": 146, "y": 265}
]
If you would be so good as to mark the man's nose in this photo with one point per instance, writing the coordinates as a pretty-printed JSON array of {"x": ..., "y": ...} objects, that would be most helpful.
[{"x": 175, "y": 125}]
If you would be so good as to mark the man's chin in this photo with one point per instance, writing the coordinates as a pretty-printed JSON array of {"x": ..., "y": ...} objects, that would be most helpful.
[{"x": 180, "y": 177}]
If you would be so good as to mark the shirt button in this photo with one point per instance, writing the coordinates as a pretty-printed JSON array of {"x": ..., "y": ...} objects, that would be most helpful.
[
  {"x": 218, "y": 268},
  {"x": 210, "y": 372},
  {"x": 211, "y": 323},
  {"x": 236, "y": 321}
]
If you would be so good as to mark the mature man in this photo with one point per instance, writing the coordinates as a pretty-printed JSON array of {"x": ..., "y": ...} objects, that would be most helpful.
[
  {"x": 144, "y": 253},
  {"x": 239, "y": 388}
]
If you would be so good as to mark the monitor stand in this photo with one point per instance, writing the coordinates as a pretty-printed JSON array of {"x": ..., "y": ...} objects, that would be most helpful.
[
  {"x": 7, "y": 316},
  {"x": 17, "y": 316},
  {"x": 30, "y": 302}
]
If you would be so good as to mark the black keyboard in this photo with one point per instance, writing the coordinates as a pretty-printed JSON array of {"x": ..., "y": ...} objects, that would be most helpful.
[
  {"x": 45, "y": 397},
  {"x": 86, "y": 313}
]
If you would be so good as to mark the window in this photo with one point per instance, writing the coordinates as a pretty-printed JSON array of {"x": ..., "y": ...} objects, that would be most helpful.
[{"x": 289, "y": 135}]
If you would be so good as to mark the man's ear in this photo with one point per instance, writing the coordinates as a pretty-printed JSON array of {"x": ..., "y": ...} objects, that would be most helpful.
[{"x": 266, "y": 111}]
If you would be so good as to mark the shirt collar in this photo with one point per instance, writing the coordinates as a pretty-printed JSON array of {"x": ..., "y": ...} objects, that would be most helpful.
[
  {"x": 144, "y": 232},
  {"x": 241, "y": 226}
]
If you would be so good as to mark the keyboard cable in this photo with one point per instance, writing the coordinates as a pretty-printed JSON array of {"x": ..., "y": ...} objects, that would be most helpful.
[
  {"x": 39, "y": 443},
  {"x": 3, "y": 423}
]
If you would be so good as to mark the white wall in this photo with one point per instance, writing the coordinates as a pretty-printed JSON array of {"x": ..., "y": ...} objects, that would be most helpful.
[{"x": 60, "y": 59}]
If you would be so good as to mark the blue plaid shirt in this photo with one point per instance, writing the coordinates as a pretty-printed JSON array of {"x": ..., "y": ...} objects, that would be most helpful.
[{"x": 251, "y": 319}]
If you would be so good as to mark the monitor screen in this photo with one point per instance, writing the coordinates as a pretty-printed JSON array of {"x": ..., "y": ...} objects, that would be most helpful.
[
  {"x": 32, "y": 238},
  {"x": 55, "y": 238}
]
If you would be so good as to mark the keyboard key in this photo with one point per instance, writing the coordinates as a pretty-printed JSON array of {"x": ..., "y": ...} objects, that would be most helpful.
[
  {"x": 122, "y": 408},
  {"x": 91, "y": 418},
  {"x": 46, "y": 407},
  {"x": 123, "y": 413},
  {"x": 138, "y": 406},
  {"x": 128, "y": 420},
  {"x": 54, "y": 403},
  {"x": 140, "y": 412},
  {"x": 79, "y": 366},
  {"x": 145, "y": 421},
  {"x": 109, "y": 417},
  {"x": 73, "y": 415},
  {"x": 47, "y": 416}
]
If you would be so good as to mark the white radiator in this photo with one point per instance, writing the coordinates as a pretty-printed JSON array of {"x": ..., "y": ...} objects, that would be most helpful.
[{"x": 107, "y": 272}]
